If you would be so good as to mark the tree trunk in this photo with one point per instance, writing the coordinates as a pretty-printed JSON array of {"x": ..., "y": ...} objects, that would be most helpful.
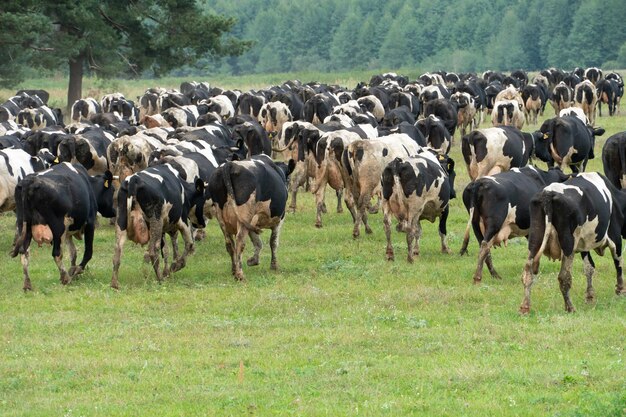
[{"x": 75, "y": 88}]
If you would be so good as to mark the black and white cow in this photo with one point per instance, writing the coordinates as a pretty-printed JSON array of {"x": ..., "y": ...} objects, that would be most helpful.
[
  {"x": 253, "y": 137},
  {"x": 593, "y": 74},
  {"x": 181, "y": 116},
  {"x": 566, "y": 141},
  {"x": 56, "y": 205},
  {"x": 499, "y": 209},
  {"x": 39, "y": 117},
  {"x": 151, "y": 203},
  {"x": 620, "y": 85},
  {"x": 507, "y": 113},
  {"x": 496, "y": 149},
  {"x": 437, "y": 137},
  {"x": 586, "y": 97},
  {"x": 445, "y": 110},
  {"x": 88, "y": 149},
  {"x": 491, "y": 92},
  {"x": 250, "y": 103},
  {"x": 15, "y": 164},
  {"x": 614, "y": 159},
  {"x": 365, "y": 161},
  {"x": 221, "y": 105},
  {"x": 414, "y": 189},
  {"x": 85, "y": 109},
  {"x": 562, "y": 97},
  {"x": 318, "y": 107},
  {"x": 249, "y": 196},
  {"x": 584, "y": 214},
  {"x": 607, "y": 91}
]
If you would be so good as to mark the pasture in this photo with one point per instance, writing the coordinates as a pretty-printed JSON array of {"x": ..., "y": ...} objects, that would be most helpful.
[{"x": 336, "y": 331}]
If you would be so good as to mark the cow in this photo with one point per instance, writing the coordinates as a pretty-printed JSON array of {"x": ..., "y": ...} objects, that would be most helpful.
[
  {"x": 566, "y": 141},
  {"x": 397, "y": 116},
  {"x": 365, "y": 161},
  {"x": 221, "y": 105},
  {"x": 15, "y": 164},
  {"x": 48, "y": 138},
  {"x": 433, "y": 92},
  {"x": 181, "y": 116},
  {"x": 150, "y": 102},
  {"x": 562, "y": 97},
  {"x": 593, "y": 74},
  {"x": 436, "y": 135},
  {"x": 404, "y": 98},
  {"x": 373, "y": 105},
  {"x": 507, "y": 113},
  {"x": 445, "y": 110},
  {"x": 88, "y": 148},
  {"x": 84, "y": 109},
  {"x": 108, "y": 99},
  {"x": 491, "y": 92},
  {"x": 250, "y": 103},
  {"x": 590, "y": 217},
  {"x": 607, "y": 91},
  {"x": 318, "y": 107},
  {"x": 586, "y": 97},
  {"x": 56, "y": 205},
  {"x": 39, "y": 118},
  {"x": 496, "y": 149},
  {"x": 521, "y": 77},
  {"x": 151, "y": 203},
  {"x": 499, "y": 209},
  {"x": 273, "y": 116},
  {"x": 614, "y": 159},
  {"x": 10, "y": 109},
  {"x": 466, "y": 113},
  {"x": 253, "y": 137},
  {"x": 416, "y": 188},
  {"x": 42, "y": 95},
  {"x": 620, "y": 85},
  {"x": 534, "y": 98},
  {"x": 249, "y": 196},
  {"x": 130, "y": 154}
]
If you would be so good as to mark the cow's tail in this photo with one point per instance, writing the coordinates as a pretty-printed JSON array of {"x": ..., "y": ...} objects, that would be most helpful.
[
  {"x": 622, "y": 160},
  {"x": 230, "y": 192},
  {"x": 23, "y": 215},
  {"x": 588, "y": 96},
  {"x": 546, "y": 210}
]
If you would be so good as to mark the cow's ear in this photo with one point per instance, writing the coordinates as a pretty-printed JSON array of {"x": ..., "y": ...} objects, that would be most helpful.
[{"x": 599, "y": 131}]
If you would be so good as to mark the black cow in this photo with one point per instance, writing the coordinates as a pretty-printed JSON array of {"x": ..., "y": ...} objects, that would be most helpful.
[
  {"x": 491, "y": 92},
  {"x": 152, "y": 202},
  {"x": 620, "y": 85},
  {"x": 56, "y": 205},
  {"x": 607, "y": 93},
  {"x": 319, "y": 107},
  {"x": 566, "y": 141},
  {"x": 493, "y": 150},
  {"x": 584, "y": 213},
  {"x": 499, "y": 209},
  {"x": 413, "y": 189},
  {"x": 249, "y": 196},
  {"x": 445, "y": 110},
  {"x": 398, "y": 115},
  {"x": 614, "y": 159},
  {"x": 253, "y": 137}
]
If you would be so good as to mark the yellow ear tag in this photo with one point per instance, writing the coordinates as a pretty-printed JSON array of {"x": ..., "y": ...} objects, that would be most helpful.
[
  {"x": 441, "y": 158},
  {"x": 545, "y": 136},
  {"x": 106, "y": 183},
  {"x": 56, "y": 160}
]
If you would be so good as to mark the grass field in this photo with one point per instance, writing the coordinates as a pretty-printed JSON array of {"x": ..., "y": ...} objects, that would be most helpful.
[{"x": 337, "y": 331}]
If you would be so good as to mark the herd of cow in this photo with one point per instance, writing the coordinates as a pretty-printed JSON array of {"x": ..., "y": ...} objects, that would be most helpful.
[{"x": 181, "y": 156}]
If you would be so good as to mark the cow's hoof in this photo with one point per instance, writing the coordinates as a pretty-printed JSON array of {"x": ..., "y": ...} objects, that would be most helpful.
[
  {"x": 570, "y": 309},
  {"x": 356, "y": 234},
  {"x": 463, "y": 252},
  {"x": 274, "y": 266},
  {"x": 239, "y": 276},
  {"x": 252, "y": 261},
  {"x": 340, "y": 210},
  {"x": 318, "y": 225},
  {"x": 199, "y": 235},
  {"x": 477, "y": 280},
  {"x": 390, "y": 257},
  {"x": 27, "y": 287},
  {"x": 620, "y": 291},
  {"x": 65, "y": 278},
  {"x": 76, "y": 270},
  {"x": 446, "y": 251},
  {"x": 177, "y": 266},
  {"x": 410, "y": 259},
  {"x": 368, "y": 230},
  {"x": 495, "y": 275},
  {"x": 590, "y": 298},
  {"x": 324, "y": 209},
  {"x": 524, "y": 309},
  {"x": 146, "y": 258},
  {"x": 291, "y": 209}
]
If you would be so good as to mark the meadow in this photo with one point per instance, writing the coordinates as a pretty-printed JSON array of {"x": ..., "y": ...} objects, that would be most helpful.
[{"x": 337, "y": 331}]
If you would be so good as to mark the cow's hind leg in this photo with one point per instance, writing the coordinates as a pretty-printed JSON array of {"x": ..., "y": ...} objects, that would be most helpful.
[
  {"x": 565, "y": 281},
  {"x": 154, "y": 246},
  {"x": 240, "y": 245},
  {"x": 120, "y": 238},
  {"x": 443, "y": 231},
  {"x": 616, "y": 252},
  {"x": 387, "y": 226},
  {"x": 274, "y": 237},
  {"x": 339, "y": 194},
  {"x": 24, "y": 258},
  {"x": 258, "y": 245},
  {"x": 589, "y": 268},
  {"x": 88, "y": 236},
  {"x": 185, "y": 231}
]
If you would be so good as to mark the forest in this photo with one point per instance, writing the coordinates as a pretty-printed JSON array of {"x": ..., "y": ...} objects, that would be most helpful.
[{"x": 460, "y": 35}]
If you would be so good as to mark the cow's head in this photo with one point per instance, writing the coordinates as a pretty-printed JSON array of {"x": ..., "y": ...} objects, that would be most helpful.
[
  {"x": 103, "y": 190},
  {"x": 543, "y": 141},
  {"x": 286, "y": 168},
  {"x": 197, "y": 198}
]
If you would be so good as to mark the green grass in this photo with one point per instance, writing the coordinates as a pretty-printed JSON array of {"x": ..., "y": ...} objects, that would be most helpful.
[{"x": 336, "y": 331}]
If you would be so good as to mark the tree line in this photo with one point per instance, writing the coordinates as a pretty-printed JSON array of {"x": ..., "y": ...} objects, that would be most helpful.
[{"x": 459, "y": 35}]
